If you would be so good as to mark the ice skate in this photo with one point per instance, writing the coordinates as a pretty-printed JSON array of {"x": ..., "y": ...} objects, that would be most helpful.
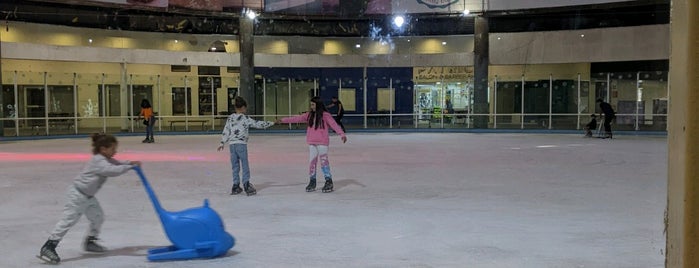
[
  {"x": 249, "y": 189},
  {"x": 311, "y": 185},
  {"x": 90, "y": 245},
  {"x": 328, "y": 187},
  {"x": 236, "y": 189},
  {"x": 48, "y": 252}
]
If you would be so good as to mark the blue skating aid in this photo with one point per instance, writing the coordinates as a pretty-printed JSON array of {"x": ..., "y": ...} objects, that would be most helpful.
[{"x": 194, "y": 233}]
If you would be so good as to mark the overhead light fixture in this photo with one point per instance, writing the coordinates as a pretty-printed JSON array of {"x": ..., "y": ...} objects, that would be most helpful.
[
  {"x": 250, "y": 14},
  {"x": 466, "y": 12},
  {"x": 398, "y": 21},
  {"x": 213, "y": 49},
  {"x": 89, "y": 40},
  {"x": 582, "y": 35},
  {"x": 177, "y": 41},
  {"x": 357, "y": 45},
  {"x": 444, "y": 43}
]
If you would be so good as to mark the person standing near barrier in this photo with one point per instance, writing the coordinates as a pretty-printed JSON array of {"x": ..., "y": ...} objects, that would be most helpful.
[
  {"x": 148, "y": 120},
  {"x": 609, "y": 115},
  {"x": 338, "y": 111}
]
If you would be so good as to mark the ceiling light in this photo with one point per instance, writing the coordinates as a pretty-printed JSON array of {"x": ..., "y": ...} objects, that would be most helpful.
[
  {"x": 398, "y": 21},
  {"x": 250, "y": 14},
  {"x": 357, "y": 45}
]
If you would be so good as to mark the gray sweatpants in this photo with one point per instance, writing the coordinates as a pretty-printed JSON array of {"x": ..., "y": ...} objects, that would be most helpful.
[{"x": 78, "y": 204}]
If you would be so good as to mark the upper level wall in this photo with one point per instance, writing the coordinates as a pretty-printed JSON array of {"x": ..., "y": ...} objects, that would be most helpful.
[
  {"x": 651, "y": 42},
  {"x": 581, "y": 46}
]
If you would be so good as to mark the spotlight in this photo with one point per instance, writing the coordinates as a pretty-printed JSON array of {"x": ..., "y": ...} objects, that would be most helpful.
[
  {"x": 444, "y": 43},
  {"x": 89, "y": 40},
  {"x": 250, "y": 14},
  {"x": 398, "y": 21},
  {"x": 357, "y": 45},
  {"x": 466, "y": 12}
]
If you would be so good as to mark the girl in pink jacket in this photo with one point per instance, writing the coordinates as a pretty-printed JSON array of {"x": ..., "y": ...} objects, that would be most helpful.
[{"x": 319, "y": 122}]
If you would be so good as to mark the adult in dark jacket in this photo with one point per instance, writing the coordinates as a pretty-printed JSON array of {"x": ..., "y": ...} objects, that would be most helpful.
[{"x": 609, "y": 115}]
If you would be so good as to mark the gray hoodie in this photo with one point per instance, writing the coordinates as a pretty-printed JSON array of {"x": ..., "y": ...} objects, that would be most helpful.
[{"x": 96, "y": 172}]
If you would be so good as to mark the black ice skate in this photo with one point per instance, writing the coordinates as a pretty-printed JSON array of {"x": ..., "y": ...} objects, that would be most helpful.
[
  {"x": 249, "y": 189},
  {"x": 328, "y": 187},
  {"x": 236, "y": 189},
  {"x": 90, "y": 245},
  {"x": 311, "y": 186},
  {"x": 48, "y": 252}
]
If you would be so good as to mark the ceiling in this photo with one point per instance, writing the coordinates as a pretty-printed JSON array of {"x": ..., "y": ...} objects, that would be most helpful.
[{"x": 76, "y": 13}]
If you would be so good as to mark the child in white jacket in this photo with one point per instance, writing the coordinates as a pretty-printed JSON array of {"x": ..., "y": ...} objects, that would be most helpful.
[
  {"x": 81, "y": 196},
  {"x": 235, "y": 133}
]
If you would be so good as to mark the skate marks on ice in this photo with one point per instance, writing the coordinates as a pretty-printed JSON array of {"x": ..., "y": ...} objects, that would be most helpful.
[
  {"x": 138, "y": 251},
  {"x": 339, "y": 184},
  {"x": 266, "y": 184}
]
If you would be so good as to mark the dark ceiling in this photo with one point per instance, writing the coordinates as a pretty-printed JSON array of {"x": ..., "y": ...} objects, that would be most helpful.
[{"x": 199, "y": 22}]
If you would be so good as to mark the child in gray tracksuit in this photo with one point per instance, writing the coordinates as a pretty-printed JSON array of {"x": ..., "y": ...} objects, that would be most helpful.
[
  {"x": 235, "y": 133},
  {"x": 81, "y": 196}
]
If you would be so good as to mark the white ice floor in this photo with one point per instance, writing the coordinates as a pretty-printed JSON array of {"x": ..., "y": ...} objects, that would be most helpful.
[{"x": 401, "y": 200}]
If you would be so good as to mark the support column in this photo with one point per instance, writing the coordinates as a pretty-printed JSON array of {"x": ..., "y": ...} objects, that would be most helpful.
[
  {"x": 124, "y": 96},
  {"x": 682, "y": 218},
  {"x": 480, "y": 73},
  {"x": 3, "y": 106},
  {"x": 247, "y": 64}
]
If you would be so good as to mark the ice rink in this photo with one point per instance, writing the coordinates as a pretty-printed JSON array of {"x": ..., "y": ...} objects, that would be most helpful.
[{"x": 400, "y": 200}]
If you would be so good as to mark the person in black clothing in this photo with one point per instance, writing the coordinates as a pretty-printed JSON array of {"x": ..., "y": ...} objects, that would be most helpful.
[
  {"x": 337, "y": 112},
  {"x": 591, "y": 125},
  {"x": 609, "y": 115}
]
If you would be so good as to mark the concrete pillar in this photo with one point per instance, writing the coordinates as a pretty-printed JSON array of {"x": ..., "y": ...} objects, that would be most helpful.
[
  {"x": 3, "y": 106},
  {"x": 682, "y": 219},
  {"x": 480, "y": 72},
  {"x": 247, "y": 64}
]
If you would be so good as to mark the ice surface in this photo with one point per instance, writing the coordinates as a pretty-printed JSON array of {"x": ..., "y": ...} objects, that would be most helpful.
[{"x": 400, "y": 200}]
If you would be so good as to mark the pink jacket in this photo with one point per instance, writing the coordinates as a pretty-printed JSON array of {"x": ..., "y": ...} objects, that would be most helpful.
[{"x": 320, "y": 135}]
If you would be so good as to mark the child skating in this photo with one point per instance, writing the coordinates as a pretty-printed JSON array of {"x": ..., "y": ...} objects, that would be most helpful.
[
  {"x": 81, "y": 196},
  {"x": 319, "y": 122},
  {"x": 235, "y": 134},
  {"x": 592, "y": 125}
]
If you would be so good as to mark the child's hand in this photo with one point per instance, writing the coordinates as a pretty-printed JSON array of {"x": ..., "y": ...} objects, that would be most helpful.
[
  {"x": 136, "y": 163},
  {"x": 220, "y": 148},
  {"x": 344, "y": 139}
]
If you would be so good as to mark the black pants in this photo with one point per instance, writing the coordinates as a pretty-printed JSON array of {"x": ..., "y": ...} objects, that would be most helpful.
[
  {"x": 608, "y": 123},
  {"x": 338, "y": 120}
]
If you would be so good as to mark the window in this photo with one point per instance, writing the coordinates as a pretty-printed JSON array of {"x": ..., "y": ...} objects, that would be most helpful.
[
  {"x": 386, "y": 99},
  {"x": 348, "y": 99},
  {"x": 181, "y": 103}
]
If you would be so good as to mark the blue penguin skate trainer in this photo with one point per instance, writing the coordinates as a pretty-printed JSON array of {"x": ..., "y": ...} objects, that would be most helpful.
[{"x": 195, "y": 233}]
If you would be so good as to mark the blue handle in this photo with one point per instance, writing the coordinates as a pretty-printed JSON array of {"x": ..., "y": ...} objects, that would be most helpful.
[{"x": 149, "y": 190}]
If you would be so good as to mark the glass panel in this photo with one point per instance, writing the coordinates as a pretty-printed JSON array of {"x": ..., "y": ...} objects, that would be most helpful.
[
  {"x": 301, "y": 93},
  {"x": 623, "y": 98},
  {"x": 31, "y": 103},
  {"x": 8, "y": 105},
  {"x": 653, "y": 90},
  {"x": 508, "y": 102},
  {"x": 61, "y": 103},
  {"x": 536, "y": 104},
  {"x": 564, "y": 102},
  {"x": 90, "y": 100}
]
